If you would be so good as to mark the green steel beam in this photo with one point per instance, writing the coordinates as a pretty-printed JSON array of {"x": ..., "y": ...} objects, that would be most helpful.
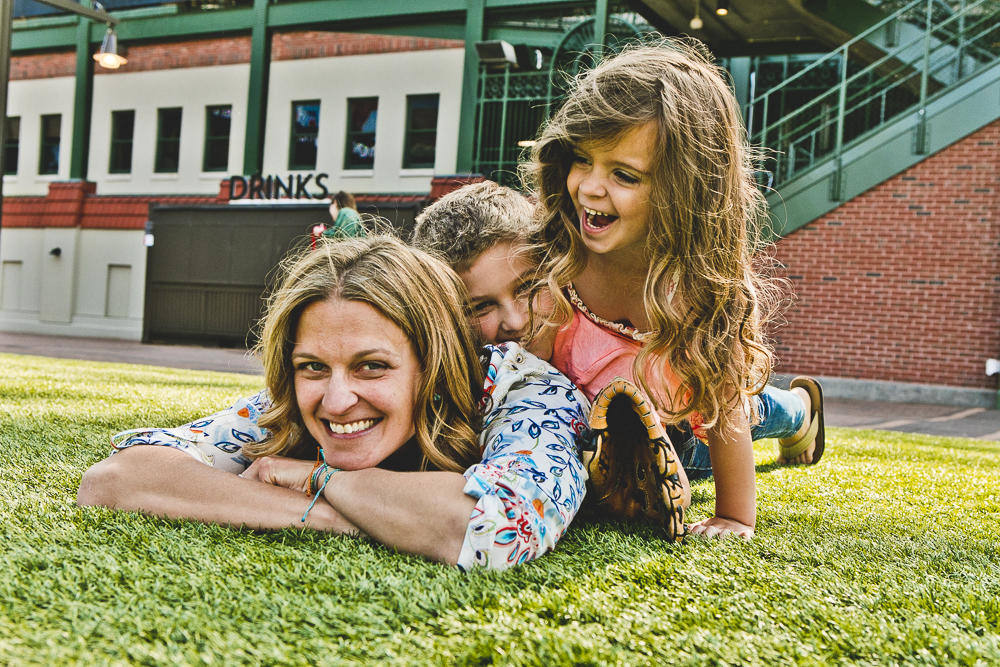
[
  {"x": 260, "y": 66},
  {"x": 55, "y": 37},
  {"x": 290, "y": 14},
  {"x": 79, "y": 154},
  {"x": 426, "y": 30},
  {"x": 58, "y": 32},
  {"x": 528, "y": 4},
  {"x": 475, "y": 26}
]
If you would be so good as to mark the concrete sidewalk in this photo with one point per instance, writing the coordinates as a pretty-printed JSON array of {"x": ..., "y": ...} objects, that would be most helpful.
[{"x": 942, "y": 420}]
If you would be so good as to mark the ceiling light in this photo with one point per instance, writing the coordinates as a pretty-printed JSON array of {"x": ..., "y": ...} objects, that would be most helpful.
[
  {"x": 722, "y": 8},
  {"x": 108, "y": 55},
  {"x": 696, "y": 22}
]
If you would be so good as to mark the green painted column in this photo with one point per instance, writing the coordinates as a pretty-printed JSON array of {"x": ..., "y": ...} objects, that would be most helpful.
[
  {"x": 79, "y": 154},
  {"x": 475, "y": 24},
  {"x": 600, "y": 26},
  {"x": 260, "y": 68}
]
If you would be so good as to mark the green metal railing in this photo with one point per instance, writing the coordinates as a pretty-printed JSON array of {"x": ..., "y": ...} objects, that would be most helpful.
[
  {"x": 512, "y": 106},
  {"x": 942, "y": 44}
]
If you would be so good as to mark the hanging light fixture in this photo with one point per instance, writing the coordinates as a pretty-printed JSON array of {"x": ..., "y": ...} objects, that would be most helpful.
[
  {"x": 696, "y": 22},
  {"x": 722, "y": 8},
  {"x": 108, "y": 55}
]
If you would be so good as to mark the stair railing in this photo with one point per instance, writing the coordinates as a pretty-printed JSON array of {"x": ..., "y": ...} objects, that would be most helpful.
[{"x": 963, "y": 39}]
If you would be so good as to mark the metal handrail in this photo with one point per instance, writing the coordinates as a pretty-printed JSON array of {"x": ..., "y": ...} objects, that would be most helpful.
[{"x": 949, "y": 39}]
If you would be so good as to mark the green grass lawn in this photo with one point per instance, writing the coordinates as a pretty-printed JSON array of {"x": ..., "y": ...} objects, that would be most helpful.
[{"x": 888, "y": 552}]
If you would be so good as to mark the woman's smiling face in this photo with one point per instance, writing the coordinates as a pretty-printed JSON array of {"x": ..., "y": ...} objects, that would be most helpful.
[
  {"x": 610, "y": 184},
  {"x": 356, "y": 382}
]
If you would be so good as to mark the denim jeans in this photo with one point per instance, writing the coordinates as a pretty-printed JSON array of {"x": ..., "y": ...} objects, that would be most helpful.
[{"x": 781, "y": 415}]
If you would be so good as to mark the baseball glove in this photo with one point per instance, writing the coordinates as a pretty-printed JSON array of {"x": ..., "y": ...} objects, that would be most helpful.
[{"x": 632, "y": 465}]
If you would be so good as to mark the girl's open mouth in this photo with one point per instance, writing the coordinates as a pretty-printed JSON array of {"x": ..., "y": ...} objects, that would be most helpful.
[
  {"x": 352, "y": 428},
  {"x": 595, "y": 220}
]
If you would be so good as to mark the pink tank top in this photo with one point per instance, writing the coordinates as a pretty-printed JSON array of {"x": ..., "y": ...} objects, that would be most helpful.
[{"x": 592, "y": 355}]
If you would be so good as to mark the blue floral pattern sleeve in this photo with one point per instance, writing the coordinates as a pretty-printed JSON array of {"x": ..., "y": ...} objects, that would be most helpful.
[
  {"x": 528, "y": 486},
  {"x": 216, "y": 440},
  {"x": 531, "y": 482}
]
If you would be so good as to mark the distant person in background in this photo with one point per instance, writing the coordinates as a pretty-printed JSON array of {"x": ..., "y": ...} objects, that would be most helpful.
[{"x": 346, "y": 221}]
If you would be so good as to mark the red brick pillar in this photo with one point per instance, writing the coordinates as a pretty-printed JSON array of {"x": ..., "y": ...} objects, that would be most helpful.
[
  {"x": 63, "y": 207},
  {"x": 442, "y": 185}
]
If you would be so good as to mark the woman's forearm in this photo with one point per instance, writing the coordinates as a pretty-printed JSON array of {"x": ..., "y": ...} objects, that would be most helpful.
[
  {"x": 166, "y": 482},
  {"x": 423, "y": 513}
]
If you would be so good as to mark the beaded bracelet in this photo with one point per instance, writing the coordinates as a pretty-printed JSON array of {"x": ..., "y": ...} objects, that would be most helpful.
[{"x": 317, "y": 472}]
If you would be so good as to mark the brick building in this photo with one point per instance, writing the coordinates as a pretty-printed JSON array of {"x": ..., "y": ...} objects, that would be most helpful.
[{"x": 888, "y": 227}]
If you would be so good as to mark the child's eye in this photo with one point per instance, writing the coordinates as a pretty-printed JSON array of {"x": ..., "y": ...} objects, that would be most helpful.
[
  {"x": 523, "y": 288},
  {"x": 484, "y": 307},
  {"x": 580, "y": 159},
  {"x": 626, "y": 178}
]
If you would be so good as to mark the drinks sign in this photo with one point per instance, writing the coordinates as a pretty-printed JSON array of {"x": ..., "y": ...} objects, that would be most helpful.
[{"x": 274, "y": 187}]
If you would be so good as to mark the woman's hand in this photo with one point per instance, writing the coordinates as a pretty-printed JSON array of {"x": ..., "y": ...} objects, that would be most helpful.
[
  {"x": 281, "y": 471},
  {"x": 719, "y": 527}
]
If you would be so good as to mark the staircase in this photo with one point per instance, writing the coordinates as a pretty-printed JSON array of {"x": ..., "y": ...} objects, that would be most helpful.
[{"x": 934, "y": 78}]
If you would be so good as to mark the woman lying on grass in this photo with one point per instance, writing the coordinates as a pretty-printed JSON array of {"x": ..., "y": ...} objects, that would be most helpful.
[{"x": 419, "y": 441}]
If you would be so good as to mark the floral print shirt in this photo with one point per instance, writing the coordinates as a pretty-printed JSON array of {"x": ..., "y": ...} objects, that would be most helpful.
[{"x": 528, "y": 486}]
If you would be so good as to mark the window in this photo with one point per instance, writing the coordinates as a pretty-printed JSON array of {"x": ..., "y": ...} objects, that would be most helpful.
[
  {"x": 362, "y": 116},
  {"x": 305, "y": 129},
  {"x": 421, "y": 131},
  {"x": 11, "y": 148},
  {"x": 48, "y": 157},
  {"x": 122, "y": 127},
  {"x": 217, "y": 123},
  {"x": 168, "y": 140}
]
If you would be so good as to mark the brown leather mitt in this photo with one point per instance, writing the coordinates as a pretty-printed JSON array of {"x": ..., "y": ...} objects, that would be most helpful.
[{"x": 632, "y": 465}]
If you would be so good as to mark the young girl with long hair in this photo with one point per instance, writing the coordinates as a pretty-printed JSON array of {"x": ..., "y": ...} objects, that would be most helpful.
[{"x": 651, "y": 225}]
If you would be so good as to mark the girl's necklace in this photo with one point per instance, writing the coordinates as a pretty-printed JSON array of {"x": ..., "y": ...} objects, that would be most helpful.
[{"x": 625, "y": 330}]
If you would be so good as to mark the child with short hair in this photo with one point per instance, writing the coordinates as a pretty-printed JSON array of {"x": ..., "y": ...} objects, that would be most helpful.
[{"x": 480, "y": 230}]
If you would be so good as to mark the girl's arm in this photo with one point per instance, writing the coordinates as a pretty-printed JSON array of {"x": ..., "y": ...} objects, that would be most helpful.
[{"x": 735, "y": 482}]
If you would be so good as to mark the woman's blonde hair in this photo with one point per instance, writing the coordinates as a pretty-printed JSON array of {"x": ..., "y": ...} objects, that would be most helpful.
[
  {"x": 706, "y": 217},
  {"x": 417, "y": 293}
]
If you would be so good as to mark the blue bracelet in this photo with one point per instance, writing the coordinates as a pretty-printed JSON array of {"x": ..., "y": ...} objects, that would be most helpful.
[{"x": 329, "y": 473}]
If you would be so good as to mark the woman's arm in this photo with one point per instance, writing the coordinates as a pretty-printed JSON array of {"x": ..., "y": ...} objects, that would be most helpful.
[
  {"x": 163, "y": 481},
  {"x": 735, "y": 482},
  {"x": 512, "y": 507},
  {"x": 423, "y": 513},
  {"x": 191, "y": 472}
]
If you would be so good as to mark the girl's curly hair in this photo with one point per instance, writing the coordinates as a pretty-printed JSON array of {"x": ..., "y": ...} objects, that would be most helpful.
[{"x": 706, "y": 222}]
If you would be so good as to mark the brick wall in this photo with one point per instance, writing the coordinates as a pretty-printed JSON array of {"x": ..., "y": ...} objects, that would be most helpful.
[
  {"x": 311, "y": 44},
  {"x": 180, "y": 55},
  {"x": 74, "y": 203},
  {"x": 225, "y": 51},
  {"x": 902, "y": 283},
  {"x": 43, "y": 65}
]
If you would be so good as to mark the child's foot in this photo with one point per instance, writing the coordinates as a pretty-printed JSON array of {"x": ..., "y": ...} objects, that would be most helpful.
[
  {"x": 806, "y": 457},
  {"x": 806, "y": 446}
]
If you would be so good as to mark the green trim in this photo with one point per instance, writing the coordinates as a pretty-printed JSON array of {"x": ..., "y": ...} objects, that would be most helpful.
[
  {"x": 166, "y": 22},
  {"x": 79, "y": 154},
  {"x": 42, "y": 22},
  {"x": 260, "y": 67},
  {"x": 475, "y": 25},
  {"x": 328, "y": 11},
  {"x": 179, "y": 25}
]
